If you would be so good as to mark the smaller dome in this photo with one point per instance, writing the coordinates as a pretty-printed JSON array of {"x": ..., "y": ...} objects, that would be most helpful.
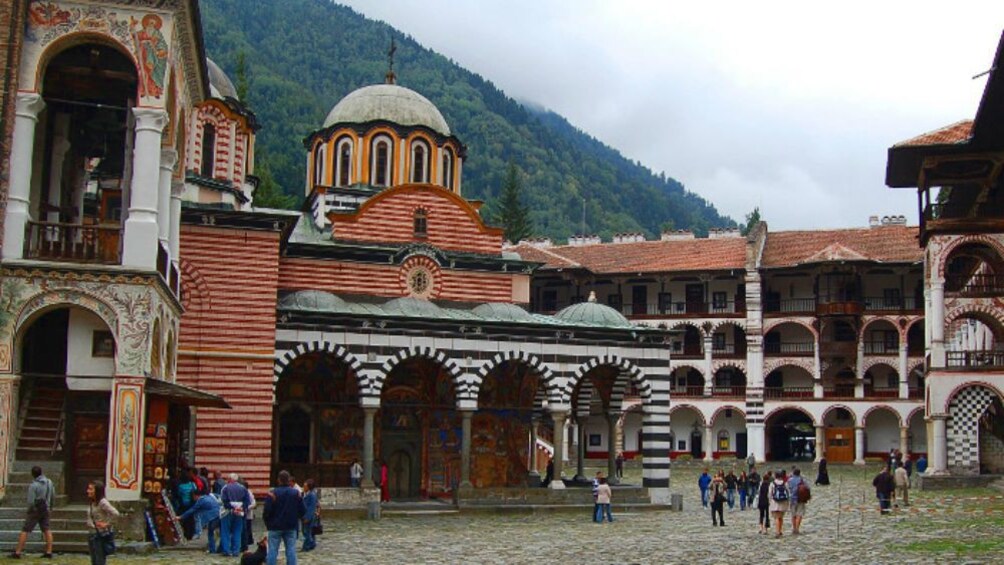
[
  {"x": 220, "y": 85},
  {"x": 503, "y": 311},
  {"x": 387, "y": 102},
  {"x": 314, "y": 301},
  {"x": 412, "y": 307},
  {"x": 592, "y": 313}
]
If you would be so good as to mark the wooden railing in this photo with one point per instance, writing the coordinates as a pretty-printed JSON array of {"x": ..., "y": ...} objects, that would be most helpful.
[
  {"x": 985, "y": 284},
  {"x": 981, "y": 359},
  {"x": 73, "y": 242},
  {"x": 787, "y": 392},
  {"x": 789, "y": 348}
]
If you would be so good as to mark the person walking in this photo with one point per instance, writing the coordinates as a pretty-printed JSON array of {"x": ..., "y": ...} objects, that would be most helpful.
[
  {"x": 40, "y": 493},
  {"x": 100, "y": 514},
  {"x": 779, "y": 499},
  {"x": 730, "y": 489},
  {"x": 908, "y": 465},
  {"x": 742, "y": 490},
  {"x": 603, "y": 496},
  {"x": 548, "y": 473},
  {"x": 902, "y": 481},
  {"x": 753, "y": 487},
  {"x": 750, "y": 463},
  {"x": 236, "y": 500},
  {"x": 798, "y": 489},
  {"x": 763, "y": 502},
  {"x": 283, "y": 511},
  {"x": 311, "y": 510},
  {"x": 384, "y": 482},
  {"x": 596, "y": 494},
  {"x": 716, "y": 492},
  {"x": 619, "y": 465},
  {"x": 884, "y": 485},
  {"x": 204, "y": 511},
  {"x": 703, "y": 482},
  {"x": 822, "y": 473},
  {"x": 355, "y": 473}
]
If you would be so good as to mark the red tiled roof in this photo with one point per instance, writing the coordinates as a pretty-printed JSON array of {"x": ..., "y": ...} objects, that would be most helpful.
[
  {"x": 883, "y": 244},
  {"x": 644, "y": 257},
  {"x": 959, "y": 132}
]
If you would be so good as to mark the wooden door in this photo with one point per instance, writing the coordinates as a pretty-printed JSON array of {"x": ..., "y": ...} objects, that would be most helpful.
[
  {"x": 639, "y": 300},
  {"x": 840, "y": 445},
  {"x": 695, "y": 298},
  {"x": 89, "y": 453}
]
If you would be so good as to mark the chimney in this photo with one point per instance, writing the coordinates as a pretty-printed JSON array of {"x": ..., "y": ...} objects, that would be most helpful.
[
  {"x": 539, "y": 243},
  {"x": 677, "y": 235},
  {"x": 580, "y": 240},
  {"x": 719, "y": 233},
  {"x": 628, "y": 237},
  {"x": 873, "y": 221}
]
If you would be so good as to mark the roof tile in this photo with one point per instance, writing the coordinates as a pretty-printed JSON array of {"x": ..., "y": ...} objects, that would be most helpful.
[{"x": 882, "y": 244}]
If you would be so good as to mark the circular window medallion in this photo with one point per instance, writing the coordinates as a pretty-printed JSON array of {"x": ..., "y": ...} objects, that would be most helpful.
[{"x": 420, "y": 282}]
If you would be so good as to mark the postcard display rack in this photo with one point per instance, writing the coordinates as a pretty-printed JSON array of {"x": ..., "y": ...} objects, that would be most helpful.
[{"x": 157, "y": 473}]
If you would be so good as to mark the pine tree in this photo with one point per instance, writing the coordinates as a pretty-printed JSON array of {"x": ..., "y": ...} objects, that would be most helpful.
[
  {"x": 752, "y": 219},
  {"x": 243, "y": 82},
  {"x": 512, "y": 213},
  {"x": 268, "y": 194}
]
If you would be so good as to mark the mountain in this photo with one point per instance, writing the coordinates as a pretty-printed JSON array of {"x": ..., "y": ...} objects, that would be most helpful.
[{"x": 303, "y": 56}]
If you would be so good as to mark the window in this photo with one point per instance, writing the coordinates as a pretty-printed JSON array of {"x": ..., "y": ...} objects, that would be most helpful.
[
  {"x": 421, "y": 223},
  {"x": 380, "y": 173},
  {"x": 419, "y": 162},
  {"x": 448, "y": 168},
  {"x": 719, "y": 300},
  {"x": 208, "y": 150},
  {"x": 842, "y": 331},
  {"x": 892, "y": 298},
  {"x": 102, "y": 344},
  {"x": 615, "y": 301},
  {"x": 718, "y": 342},
  {"x": 595, "y": 440},
  {"x": 665, "y": 302},
  {"x": 344, "y": 164},
  {"x": 723, "y": 440},
  {"x": 319, "y": 154}
]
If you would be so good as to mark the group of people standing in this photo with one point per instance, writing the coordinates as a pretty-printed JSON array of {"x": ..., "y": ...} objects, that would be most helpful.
[
  {"x": 774, "y": 494},
  {"x": 893, "y": 482},
  {"x": 223, "y": 507}
]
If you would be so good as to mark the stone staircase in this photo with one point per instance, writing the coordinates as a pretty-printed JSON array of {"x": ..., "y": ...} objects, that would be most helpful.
[
  {"x": 40, "y": 434},
  {"x": 68, "y": 521}
]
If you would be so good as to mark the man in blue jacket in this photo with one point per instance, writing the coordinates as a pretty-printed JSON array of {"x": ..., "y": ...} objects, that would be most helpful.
[
  {"x": 206, "y": 510},
  {"x": 703, "y": 482},
  {"x": 236, "y": 500},
  {"x": 283, "y": 511}
]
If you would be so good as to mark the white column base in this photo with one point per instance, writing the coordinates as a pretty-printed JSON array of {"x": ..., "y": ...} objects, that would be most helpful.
[{"x": 140, "y": 240}]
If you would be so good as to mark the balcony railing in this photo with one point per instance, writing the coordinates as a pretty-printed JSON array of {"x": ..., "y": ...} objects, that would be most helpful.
[
  {"x": 839, "y": 391},
  {"x": 687, "y": 391},
  {"x": 789, "y": 348},
  {"x": 916, "y": 393},
  {"x": 900, "y": 303},
  {"x": 984, "y": 359},
  {"x": 986, "y": 284},
  {"x": 787, "y": 392},
  {"x": 789, "y": 305},
  {"x": 881, "y": 348},
  {"x": 882, "y": 393},
  {"x": 733, "y": 391},
  {"x": 683, "y": 308},
  {"x": 729, "y": 350},
  {"x": 73, "y": 243}
]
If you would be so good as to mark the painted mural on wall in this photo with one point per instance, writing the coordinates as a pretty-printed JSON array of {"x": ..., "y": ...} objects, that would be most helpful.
[
  {"x": 127, "y": 414},
  {"x": 127, "y": 304},
  {"x": 143, "y": 34},
  {"x": 501, "y": 427}
]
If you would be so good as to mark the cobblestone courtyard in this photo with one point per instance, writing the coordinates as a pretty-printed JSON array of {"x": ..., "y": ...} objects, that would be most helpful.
[{"x": 842, "y": 526}]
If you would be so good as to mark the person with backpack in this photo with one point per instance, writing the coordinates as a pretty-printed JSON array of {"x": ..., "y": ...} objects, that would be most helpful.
[
  {"x": 798, "y": 489},
  {"x": 40, "y": 493},
  {"x": 779, "y": 497},
  {"x": 763, "y": 501},
  {"x": 716, "y": 492}
]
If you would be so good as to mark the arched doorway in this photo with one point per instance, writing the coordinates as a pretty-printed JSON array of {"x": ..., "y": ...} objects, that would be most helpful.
[
  {"x": 840, "y": 435},
  {"x": 688, "y": 428},
  {"x": 976, "y": 409},
  {"x": 882, "y": 432},
  {"x": 317, "y": 421},
  {"x": 501, "y": 426},
  {"x": 790, "y": 433}
]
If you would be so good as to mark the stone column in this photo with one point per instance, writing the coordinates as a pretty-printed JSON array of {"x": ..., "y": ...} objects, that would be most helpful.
[
  {"x": 370, "y": 406},
  {"x": 168, "y": 157},
  {"x": 938, "y": 465},
  {"x": 533, "y": 445},
  {"x": 859, "y": 376},
  {"x": 937, "y": 315},
  {"x": 612, "y": 448},
  {"x": 709, "y": 379},
  {"x": 904, "y": 377},
  {"x": 8, "y": 423},
  {"x": 57, "y": 156},
  {"x": 580, "y": 449},
  {"x": 558, "y": 415},
  {"x": 124, "y": 469},
  {"x": 709, "y": 445},
  {"x": 817, "y": 370},
  {"x": 175, "y": 228},
  {"x": 465, "y": 448},
  {"x": 756, "y": 441},
  {"x": 820, "y": 442},
  {"x": 904, "y": 441},
  {"x": 19, "y": 189},
  {"x": 141, "y": 231},
  {"x": 859, "y": 445}
]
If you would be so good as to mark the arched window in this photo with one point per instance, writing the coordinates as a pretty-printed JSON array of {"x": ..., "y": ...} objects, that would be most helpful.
[
  {"x": 723, "y": 440},
  {"x": 419, "y": 162},
  {"x": 448, "y": 168},
  {"x": 319, "y": 154},
  {"x": 421, "y": 223},
  {"x": 208, "y": 150},
  {"x": 344, "y": 164},
  {"x": 380, "y": 165}
]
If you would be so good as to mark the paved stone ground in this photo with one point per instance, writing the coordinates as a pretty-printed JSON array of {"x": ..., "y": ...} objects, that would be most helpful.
[{"x": 841, "y": 526}]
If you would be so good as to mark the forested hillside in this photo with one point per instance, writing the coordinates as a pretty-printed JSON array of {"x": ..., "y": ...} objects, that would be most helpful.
[{"x": 304, "y": 55}]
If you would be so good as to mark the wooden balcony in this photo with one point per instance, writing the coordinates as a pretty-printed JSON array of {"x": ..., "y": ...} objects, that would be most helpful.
[
  {"x": 789, "y": 348},
  {"x": 738, "y": 391},
  {"x": 687, "y": 392},
  {"x": 989, "y": 360},
  {"x": 73, "y": 243},
  {"x": 979, "y": 285},
  {"x": 775, "y": 393}
]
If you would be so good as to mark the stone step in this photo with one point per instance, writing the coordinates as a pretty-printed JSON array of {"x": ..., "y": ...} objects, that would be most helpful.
[
  {"x": 73, "y": 512},
  {"x": 39, "y": 442},
  {"x": 33, "y": 549},
  {"x": 52, "y": 468},
  {"x": 9, "y": 537},
  {"x": 57, "y": 524},
  {"x": 18, "y": 502},
  {"x": 35, "y": 453}
]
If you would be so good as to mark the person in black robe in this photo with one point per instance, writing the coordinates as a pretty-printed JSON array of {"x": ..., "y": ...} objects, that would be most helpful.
[{"x": 822, "y": 475}]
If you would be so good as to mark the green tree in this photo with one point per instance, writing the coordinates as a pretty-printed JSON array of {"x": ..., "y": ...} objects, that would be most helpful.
[
  {"x": 268, "y": 194},
  {"x": 752, "y": 219},
  {"x": 513, "y": 214},
  {"x": 243, "y": 81}
]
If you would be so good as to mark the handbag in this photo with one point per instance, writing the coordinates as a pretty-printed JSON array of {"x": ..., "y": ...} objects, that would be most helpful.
[
  {"x": 107, "y": 541},
  {"x": 317, "y": 528}
]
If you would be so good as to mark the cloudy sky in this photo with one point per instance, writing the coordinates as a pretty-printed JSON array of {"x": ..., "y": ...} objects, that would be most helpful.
[{"x": 789, "y": 106}]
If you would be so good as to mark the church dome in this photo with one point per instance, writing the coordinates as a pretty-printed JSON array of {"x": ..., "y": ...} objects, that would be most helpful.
[
  {"x": 412, "y": 307},
  {"x": 314, "y": 301},
  {"x": 592, "y": 313},
  {"x": 388, "y": 102},
  {"x": 503, "y": 311},
  {"x": 220, "y": 85}
]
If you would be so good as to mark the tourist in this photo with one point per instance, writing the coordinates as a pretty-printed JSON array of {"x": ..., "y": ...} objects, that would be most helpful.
[
  {"x": 750, "y": 463},
  {"x": 703, "y": 482},
  {"x": 205, "y": 511},
  {"x": 730, "y": 486},
  {"x": 884, "y": 485},
  {"x": 763, "y": 502},
  {"x": 798, "y": 489},
  {"x": 716, "y": 492},
  {"x": 619, "y": 465},
  {"x": 294, "y": 485},
  {"x": 100, "y": 514},
  {"x": 779, "y": 497},
  {"x": 596, "y": 494},
  {"x": 183, "y": 500},
  {"x": 283, "y": 511},
  {"x": 921, "y": 464},
  {"x": 201, "y": 478},
  {"x": 236, "y": 499},
  {"x": 902, "y": 482},
  {"x": 822, "y": 473},
  {"x": 217, "y": 481},
  {"x": 548, "y": 473},
  {"x": 742, "y": 488},
  {"x": 908, "y": 465},
  {"x": 40, "y": 493},
  {"x": 752, "y": 487},
  {"x": 247, "y": 540},
  {"x": 355, "y": 473},
  {"x": 311, "y": 509},
  {"x": 603, "y": 495},
  {"x": 384, "y": 482}
]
